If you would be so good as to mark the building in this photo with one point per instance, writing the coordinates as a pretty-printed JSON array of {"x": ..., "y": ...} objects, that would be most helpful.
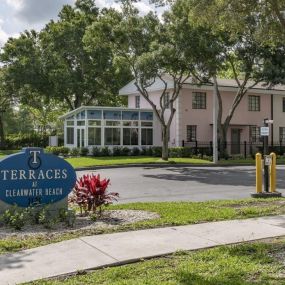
[{"x": 192, "y": 123}]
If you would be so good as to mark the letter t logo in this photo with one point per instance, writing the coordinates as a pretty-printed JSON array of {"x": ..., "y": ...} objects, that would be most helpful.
[{"x": 34, "y": 152}]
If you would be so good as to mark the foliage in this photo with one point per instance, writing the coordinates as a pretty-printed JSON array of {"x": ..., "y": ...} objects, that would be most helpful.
[
  {"x": 135, "y": 151},
  {"x": 156, "y": 151},
  {"x": 74, "y": 151},
  {"x": 90, "y": 193},
  {"x": 105, "y": 151},
  {"x": 15, "y": 217},
  {"x": 117, "y": 151},
  {"x": 17, "y": 141},
  {"x": 84, "y": 151},
  {"x": 58, "y": 150},
  {"x": 96, "y": 151}
]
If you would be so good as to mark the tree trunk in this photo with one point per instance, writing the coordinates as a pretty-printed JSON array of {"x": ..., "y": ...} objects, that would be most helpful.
[
  {"x": 165, "y": 136},
  {"x": 2, "y": 134}
]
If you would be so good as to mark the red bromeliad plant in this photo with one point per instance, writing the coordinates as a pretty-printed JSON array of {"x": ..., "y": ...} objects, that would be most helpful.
[{"x": 90, "y": 193}]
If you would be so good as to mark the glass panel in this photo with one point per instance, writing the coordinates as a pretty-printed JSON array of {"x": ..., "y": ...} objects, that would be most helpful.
[
  {"x": 82, "y": 138},
  {"x": 70, "y": 118},
  {"x": 130, "y": 124},
  {"x": 112, "y": 115},
  {"x": 94, "y": 136},
  {"x": 146, "y": 124},
  {"x": 82, "y": 115},
  {"x": 80, "y": 123},
  {"x": 94, "y": 123},
  {"x": 112, "y": 136},
  {"x": 130, "y": 136},
  {"x": 146, "y": 137},
  {"x": 94, "y": 114},
  {"x": 113, "y": 123},
  {"x": 78, "y": 138},
  {"x": 70, "y": 123},
  {"x": 146, "y": 116},
  {"x": 70, "y": 135},
  {"x": 130, "y": 115}
]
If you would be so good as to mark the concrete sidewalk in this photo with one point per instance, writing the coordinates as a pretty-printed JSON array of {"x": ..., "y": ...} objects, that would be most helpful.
[{"x": 113, "y": 249}]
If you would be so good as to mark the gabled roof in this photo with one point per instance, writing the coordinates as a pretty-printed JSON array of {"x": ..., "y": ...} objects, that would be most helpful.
[{"x": 224, "y": 84}]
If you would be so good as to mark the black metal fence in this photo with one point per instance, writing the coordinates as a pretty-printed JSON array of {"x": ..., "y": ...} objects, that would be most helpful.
[{"x": 244, "y": 149}]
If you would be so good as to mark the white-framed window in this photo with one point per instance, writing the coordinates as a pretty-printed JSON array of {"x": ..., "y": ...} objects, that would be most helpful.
[
  {"x": 191, "y": 133},
  {"x": 138, "y": 101},
  {"x": 69, "y": 135}
]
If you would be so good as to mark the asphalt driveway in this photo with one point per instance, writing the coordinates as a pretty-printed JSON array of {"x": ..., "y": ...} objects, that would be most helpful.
[{"x": 145, "y": 184}]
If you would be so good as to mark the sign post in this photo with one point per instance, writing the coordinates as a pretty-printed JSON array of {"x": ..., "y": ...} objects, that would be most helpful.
[{"x": 264, "y": 131}]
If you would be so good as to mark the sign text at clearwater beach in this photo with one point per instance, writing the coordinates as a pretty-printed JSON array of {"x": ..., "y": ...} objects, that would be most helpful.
[{"x": 33, "y": 176}]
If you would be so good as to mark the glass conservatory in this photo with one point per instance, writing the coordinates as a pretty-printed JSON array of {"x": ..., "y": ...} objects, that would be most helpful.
[{"x": 107, "y": 126}]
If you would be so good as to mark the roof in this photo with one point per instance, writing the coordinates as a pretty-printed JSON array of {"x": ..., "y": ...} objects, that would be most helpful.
[
  {"x": 82, "y": 108},
  {"x": 224, "y": 85}
]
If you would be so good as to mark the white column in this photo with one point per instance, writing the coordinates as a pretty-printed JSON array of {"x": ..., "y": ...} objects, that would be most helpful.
[{"x": 215, "y": 116}]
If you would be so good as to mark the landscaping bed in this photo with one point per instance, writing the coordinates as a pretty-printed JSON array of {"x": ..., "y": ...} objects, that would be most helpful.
[{"x": 165, "y": 214}]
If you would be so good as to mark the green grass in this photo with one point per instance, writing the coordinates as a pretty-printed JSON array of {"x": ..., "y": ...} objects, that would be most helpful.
[
  {"x": 122, "y": 160},
  {"x": 245, "y": 264},
  {"x": 171, "y": 213},
  {"x": 4, "y": 153}
]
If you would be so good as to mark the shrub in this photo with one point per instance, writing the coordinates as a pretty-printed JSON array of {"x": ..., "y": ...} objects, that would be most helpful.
[
  {"x": 136, "y": 151},
  {"x": 125, "y": 151},
  {"x": 74, "y": 151},
  {"x": 157, "y": 151},
  {"x": 84, "y": 151},
  {"x": 144, "y": 151},
  {"x": 175, "y": 151},
  {"x": 149, "y": 151},
  {"x": 15, "y": 217},
  {"x": 96, "y": 151},
  {"x": 90, "y": 193},
  {"x": 105, "y": 151},
  {"x": 117, "y": 151},
  {"x": 58, "y": 150}
]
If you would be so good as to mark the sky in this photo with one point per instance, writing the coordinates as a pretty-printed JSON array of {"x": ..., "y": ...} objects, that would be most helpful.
[{"x": 19, "y": 15}]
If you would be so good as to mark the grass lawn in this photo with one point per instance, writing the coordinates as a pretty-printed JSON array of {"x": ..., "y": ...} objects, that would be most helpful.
[
  {"x": 257, "y": 263},
  {"x": 115, "y": 160},
  {"x": 171, "y": 213},
  {"x": 4, "y": 153}
]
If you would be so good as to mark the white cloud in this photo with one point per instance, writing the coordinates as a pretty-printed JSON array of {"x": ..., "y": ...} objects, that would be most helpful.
[
  {"x": 16, "y": 4},
  {"x": 3, "y": 35},
  {"x": 143, "y": 7}
]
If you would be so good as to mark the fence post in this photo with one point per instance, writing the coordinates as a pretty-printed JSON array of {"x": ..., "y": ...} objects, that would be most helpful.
[
  {"x": 280, "y": 147},
  {"x": 183, "y": 143},
  {"x": 196, "y": 147},
  {"x": 273, "y": 172},
  {"x": 244, "y": 144},
  {"x": 258, "y": 164},
  {"x": 211, "y": 147}
]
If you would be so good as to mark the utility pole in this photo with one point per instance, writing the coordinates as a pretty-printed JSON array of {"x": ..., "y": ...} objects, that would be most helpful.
[{"x": 215, "y": 116}]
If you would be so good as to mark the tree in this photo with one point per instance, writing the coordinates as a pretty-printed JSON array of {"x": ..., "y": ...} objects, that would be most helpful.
[
  {"x": 154, "y": 51},
  {"x": 54, "y": 63}
]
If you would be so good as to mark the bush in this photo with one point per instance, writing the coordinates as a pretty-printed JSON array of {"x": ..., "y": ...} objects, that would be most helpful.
[
  {"x": 84, "y": 151},
  {"x": 74, "y": 151},
  {"x": 96, "y": 151},
  {"x": 135, "y": 151},
  {"x": 149, "y": 151},
  {"x": 144, "y": 151},
  {"x": 105, "y": 151},
  {"x": 17, "y": 141},
  {"x": 90, "y": 193},
  {"x": 15, "y": 217},
  {"x": 157, "y": 151},
  {"x": 125, "y": 151},
  {"x": 58, "y": 150},
  {"x": 175, "y": 151},
  {"x": 117, "y": 151}
]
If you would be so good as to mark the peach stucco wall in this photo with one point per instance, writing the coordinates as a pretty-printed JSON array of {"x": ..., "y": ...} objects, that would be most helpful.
[{"x": 203, "y": 118}]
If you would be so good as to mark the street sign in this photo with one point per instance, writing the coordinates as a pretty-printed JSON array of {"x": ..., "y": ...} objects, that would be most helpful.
[
  {"x": 264, "y": 131},
  {"x": 267, "y": 160}
]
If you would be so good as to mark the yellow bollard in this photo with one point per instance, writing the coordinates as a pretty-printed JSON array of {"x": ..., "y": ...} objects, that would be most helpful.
[
  {"x": 258, "y": 165},
  {"x": 273, "y": 173}
]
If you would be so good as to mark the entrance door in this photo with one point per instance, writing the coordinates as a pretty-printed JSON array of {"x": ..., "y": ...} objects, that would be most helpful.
[
  {"x": 235, "y": 141},
  {"x": 80, "y": 137}
]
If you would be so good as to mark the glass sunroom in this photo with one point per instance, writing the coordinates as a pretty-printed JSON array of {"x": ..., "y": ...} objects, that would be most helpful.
[{"x": 90, "y": 126}]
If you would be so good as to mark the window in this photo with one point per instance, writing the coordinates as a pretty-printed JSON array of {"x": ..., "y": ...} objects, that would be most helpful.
[
  {"x": 130, "y": 136},
  {"x": 254, "y": 134},
  {"x": 146, "y": 137},
  {"x": 80, "y": 123},
  {"x": 69, "y": 135},
  {"x": 130, "y": 115},
  {"x": 112, "y": 115},
  {"x": 283, "y": 105},
  {"x": 166, "y": 100},
  {"x": 94, "y": 136},
  {"x": 146, "y": 116},
  {"x": 198, "y": 100},
  {"x": 94, "y": 114},
  {"x": 281, "y": 133},
  {"x": 113, "y": 123},
  {"x": 146, "y": 124},
  {"x": 191, "y": 133},
  {"x": 112, "y": 136},
  {"x": 130, "y": 124},
  {"x": 70, "y": 123},
  {"x": 137, "y": 101},
  {"x": 253, "y": 103},
  {"x": 94, "y": 123}
]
